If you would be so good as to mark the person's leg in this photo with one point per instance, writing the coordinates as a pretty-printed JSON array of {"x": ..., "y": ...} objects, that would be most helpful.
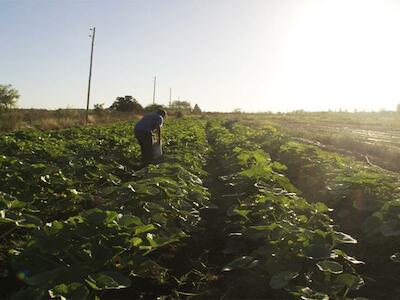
[
  {"x": 141, "y": 137},
  {"x": 145, "y": 142},
  {"x": 147, "y": 151}
]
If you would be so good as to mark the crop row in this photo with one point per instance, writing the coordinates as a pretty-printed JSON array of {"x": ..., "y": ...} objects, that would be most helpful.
[
  {"x": 80, "y": 221},
  {"x": 272, "y": 234},
  {"x": 365, "y": 200}
]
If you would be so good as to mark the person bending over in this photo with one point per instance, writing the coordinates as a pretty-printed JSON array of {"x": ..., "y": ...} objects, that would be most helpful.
[{"x": 144, "y": 128}]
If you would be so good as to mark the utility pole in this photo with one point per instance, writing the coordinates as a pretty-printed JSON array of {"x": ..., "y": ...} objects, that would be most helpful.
[
  {"x": 154, "y": 90},
  {"x": 170, "y": 97},
  {"x": 90, "y": 72}
]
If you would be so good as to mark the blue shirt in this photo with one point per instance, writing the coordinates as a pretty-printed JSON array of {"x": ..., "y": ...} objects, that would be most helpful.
[{"x": 149, "y": 122}]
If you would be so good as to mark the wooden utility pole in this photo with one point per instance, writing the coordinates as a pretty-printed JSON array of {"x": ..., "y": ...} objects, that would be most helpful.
[
  {"x": 90, "y": 72},
  {"x": 154, "y": 90}
]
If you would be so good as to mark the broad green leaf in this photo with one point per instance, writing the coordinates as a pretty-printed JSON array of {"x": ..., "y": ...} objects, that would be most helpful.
[
  {"x": 136, "y": 241},
  {"x": 321, "y": 207},
  {"x": 130, "y": 220},
  {"x": 330, "y": 266},
  {"x": 98, "y": 216},
  {"x": 317, "y": 251},
  {"x": 342, "y": 237},
  {"x": 270, "y": 227},
  {"x": 108, "y": 281},
  {"x": 351, "y": 259},
  {"x": 73, "y": 291},
  {"x": 350, "y": 281},
  {"x": 242, "y": 212},
  {"x": 144, "y": 228},
  {"x": 150, "y": 238},
  {"x": 308, "y": 294},
  {"x": 3, "y": 218},
  {"x": 16, "y": 204}
]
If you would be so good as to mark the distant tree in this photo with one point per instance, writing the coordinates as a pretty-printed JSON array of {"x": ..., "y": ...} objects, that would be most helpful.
[
  {"x": 237, "y": 111},
  {"x": 153, "y": 107},
  {"x": 196, "y": 110},
  {"x": 98, "y": 108},
  {"x": 398, "y": 108},
  {"x": 181, "y": 106},
  {"x": 8, "y": 96},
  {"x": 298, "y": 111},
  {"x": 127, "y": 104}
]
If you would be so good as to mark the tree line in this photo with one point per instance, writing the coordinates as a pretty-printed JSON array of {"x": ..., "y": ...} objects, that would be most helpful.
[
  {"x": 130, "y": 104},
  {"x": 9, "y": 97}
]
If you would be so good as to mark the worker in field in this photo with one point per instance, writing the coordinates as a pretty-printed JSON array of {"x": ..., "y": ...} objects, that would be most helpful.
[{"x": 146, "y": 130}]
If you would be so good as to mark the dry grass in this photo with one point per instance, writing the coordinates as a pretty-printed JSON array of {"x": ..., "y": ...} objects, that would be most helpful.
[
  {"x": 57, "y": 123},
  {"x": 10, "y": 120},
  {"x": 56, "y": 119}
]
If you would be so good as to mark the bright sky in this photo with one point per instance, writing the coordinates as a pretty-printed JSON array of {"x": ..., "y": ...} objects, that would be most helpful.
[{"x": 257, "y": 55}]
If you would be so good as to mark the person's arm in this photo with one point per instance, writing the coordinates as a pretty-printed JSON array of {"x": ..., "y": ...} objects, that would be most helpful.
[{"x": 159, "y": 129}]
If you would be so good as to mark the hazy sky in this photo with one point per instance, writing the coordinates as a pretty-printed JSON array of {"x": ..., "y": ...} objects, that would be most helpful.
[{"x": 257, "y": 55}]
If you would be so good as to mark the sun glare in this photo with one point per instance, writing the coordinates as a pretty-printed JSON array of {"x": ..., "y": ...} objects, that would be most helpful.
[{"x": 344, "y": 51}]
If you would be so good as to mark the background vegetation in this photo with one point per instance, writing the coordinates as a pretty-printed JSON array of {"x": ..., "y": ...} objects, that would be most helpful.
[{"x": 124, "y": 108}]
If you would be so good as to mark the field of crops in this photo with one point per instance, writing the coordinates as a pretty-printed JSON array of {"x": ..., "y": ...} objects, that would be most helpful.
[
  {"x": 370, "y": 137},
  {"x": 231, "y": 212}
]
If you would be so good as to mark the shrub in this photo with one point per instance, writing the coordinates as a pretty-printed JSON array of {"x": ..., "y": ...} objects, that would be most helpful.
[
  {"x": 127, "y": 104},
  {"x": 8, "y": 96},
  {"x": 196, "y": 110},
  {"x": 98, "y": 108}
]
